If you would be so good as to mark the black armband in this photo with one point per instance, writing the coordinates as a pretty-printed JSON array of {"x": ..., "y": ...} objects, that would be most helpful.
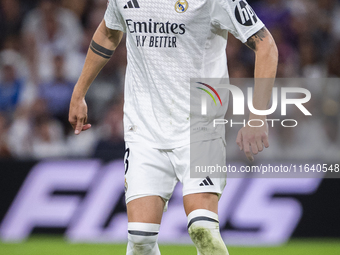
[{"x": 100, "y": 50}]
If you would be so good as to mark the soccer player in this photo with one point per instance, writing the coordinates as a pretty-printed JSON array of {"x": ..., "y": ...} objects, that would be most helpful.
[{"x": 169, "y": 42}]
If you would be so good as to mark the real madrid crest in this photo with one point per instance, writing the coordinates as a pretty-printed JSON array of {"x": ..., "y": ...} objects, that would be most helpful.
[{"x": 181, "y": 6}]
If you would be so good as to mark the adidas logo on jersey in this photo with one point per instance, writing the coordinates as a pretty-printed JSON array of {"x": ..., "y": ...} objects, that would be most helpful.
[
  {"x": 132, "y": 4},
  {"x": 206, "y": 182}
]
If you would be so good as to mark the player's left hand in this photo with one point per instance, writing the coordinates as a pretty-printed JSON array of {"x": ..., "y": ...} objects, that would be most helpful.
[{"x": 251, "y": 140}]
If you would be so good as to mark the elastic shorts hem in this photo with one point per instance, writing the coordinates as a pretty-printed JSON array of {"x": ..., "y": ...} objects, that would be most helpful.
[
  {"x": 196, "y": 191},
  {"x": 134, "y": 197}
]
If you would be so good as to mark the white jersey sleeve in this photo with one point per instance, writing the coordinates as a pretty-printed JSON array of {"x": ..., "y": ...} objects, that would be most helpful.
[
  {"x": 236, "y": 17},
  {"x": 113, "y": 18}
]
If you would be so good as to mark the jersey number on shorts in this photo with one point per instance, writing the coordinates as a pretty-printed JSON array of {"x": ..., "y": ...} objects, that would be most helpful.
[{"x": 127, "y": 154}]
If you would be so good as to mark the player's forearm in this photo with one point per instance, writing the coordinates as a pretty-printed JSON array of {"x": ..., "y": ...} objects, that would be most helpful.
[
  {"x": 93, "y": 65},
  {"x": 102, "y": 46},
  {"x": 266, "y": 59},
  {"x": 265, "y": 71}
]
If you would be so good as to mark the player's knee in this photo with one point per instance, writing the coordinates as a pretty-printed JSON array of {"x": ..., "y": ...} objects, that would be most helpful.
[
  {"x": 142, "y": 238},
  {"x": 203, "y": 229}
]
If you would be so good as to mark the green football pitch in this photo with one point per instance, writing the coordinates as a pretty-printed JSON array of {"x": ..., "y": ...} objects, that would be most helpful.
[{"x": 57, "y": 246}]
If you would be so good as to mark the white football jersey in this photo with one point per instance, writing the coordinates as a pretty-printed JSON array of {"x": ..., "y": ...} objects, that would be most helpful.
[{"x": 169, "y": 42}]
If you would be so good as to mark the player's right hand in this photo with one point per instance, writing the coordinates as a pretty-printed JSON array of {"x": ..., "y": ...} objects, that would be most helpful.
[
  {"x": 252, "y": 139},
  {"x": 78, "y": 115}
]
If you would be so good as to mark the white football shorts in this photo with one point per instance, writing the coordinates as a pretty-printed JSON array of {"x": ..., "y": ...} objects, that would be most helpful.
[{"x": 155, "y": 172}]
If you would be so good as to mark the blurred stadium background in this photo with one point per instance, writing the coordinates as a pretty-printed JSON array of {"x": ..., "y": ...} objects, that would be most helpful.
[{"x": 64, "y": 194}]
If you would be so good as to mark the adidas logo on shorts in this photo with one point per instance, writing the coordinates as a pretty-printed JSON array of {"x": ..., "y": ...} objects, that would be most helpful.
[
  {"x": 206, "y": 182},
  {"x": 132, "y": 4}
]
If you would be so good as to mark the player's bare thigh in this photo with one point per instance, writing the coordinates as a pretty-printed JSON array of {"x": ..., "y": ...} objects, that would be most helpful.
[
  {"x": 146, "y": 209},
  {"x": 208, "y": 201}
]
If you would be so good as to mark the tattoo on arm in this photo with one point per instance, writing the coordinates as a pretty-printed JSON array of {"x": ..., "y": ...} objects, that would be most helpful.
[
  {"x": 256, "y": 38},
  {"x": 100, "y": 50}
]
